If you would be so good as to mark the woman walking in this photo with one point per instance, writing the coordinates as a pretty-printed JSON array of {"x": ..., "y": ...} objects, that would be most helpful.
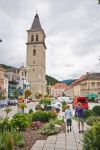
[{"x": 80, "y": 115}]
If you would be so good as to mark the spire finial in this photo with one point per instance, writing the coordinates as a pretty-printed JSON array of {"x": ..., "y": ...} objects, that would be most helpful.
[{"x": 36, "y": 11}]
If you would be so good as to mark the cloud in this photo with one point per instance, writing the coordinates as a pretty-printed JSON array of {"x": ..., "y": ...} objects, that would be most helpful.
[{"x": 72, "y": 34}]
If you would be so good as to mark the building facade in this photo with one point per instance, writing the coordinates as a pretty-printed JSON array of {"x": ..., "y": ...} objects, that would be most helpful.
[
  {"x": 59, "y": 89},
  {"x": 36, "y": 57},
  {"x": 86, "y": 84},
  {"x": 91, "y": 84}
]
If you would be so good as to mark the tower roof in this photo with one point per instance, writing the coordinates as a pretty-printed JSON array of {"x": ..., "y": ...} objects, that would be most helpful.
[{"x": 36, "y": 26}]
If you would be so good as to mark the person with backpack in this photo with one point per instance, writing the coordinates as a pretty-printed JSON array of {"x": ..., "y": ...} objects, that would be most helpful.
[
  {"x": 68, "y": 116},
  {"x": 79, "y": 112}
]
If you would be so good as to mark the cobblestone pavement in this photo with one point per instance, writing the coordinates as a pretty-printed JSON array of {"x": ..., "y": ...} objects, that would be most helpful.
[{"x": 62, "y": 141}]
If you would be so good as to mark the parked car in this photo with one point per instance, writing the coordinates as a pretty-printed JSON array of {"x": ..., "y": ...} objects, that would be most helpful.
[
  {"x": 13, "y": 102},
  {"x": 67, "y": 99},
  {"x": 4, "y": 102},
  {"x": 56, "y": 104},
  {"x": 82, "y": 99}
]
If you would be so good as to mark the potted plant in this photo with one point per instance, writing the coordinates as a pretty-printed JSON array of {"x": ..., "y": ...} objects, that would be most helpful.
[
  {"x": 20, "y": 99},
  {"x": 22, "y": 106}
]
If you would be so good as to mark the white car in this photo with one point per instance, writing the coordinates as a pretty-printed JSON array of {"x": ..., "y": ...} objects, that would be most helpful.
[
  {"x": 67, "y": 99},
  {"x": 56, "y": 104}
]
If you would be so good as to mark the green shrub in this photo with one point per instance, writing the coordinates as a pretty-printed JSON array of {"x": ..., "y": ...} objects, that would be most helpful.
[
  {"x": 49, "y": 129},
  {"x": 20, "y": 121},
  {"x": 92, "y": 120},
  {"x": 92, "y": 99},
  {"x": 96, "y": 110},
  {"x": 30, "y": 111},
  {"x": 45, "y": 101},
  {"x": 9, "y": 138},
  {"x": 57, "y": 121},
  {"x": 5, "y": 125},
  {"x": 43, "y": 116},
  {"x": 20, "y": 139},
  {"x": 6, "y": 141},
  {"x": 63, "y": 106},
  {"x": 88, "y": 113},
  {"x": 91, "y": 139}
]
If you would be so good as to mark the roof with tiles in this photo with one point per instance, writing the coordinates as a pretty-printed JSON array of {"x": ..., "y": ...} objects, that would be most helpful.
[
  {"x": 60, "y": 86},
  {"x": 87, "y": 76}
]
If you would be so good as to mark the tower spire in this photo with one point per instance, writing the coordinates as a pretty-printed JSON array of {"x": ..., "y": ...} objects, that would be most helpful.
[{"x": 36, "y": 23}]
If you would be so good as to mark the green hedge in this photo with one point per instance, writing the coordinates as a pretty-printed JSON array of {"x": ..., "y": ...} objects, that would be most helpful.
[
  {"x": 88, "y": 113},
  {"x": 45, "y": 101},
  {"x": 5, "y": 125},
  {"x": 96, "y": 110},
  {"x": 20, "y": 121},
  {"x": 43, "y": 116},
  {"x": 91, "y": 139},
  {"x": 92, "y": 120}
]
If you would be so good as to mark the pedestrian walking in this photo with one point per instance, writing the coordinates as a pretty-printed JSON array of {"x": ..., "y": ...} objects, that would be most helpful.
[
  {"x": 68, "y": 118},
  {"x": 79, "y": 112}
]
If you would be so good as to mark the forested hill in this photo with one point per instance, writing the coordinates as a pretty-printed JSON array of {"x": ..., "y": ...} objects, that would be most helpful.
[
  {"x": 50, "y": 80},
  {"x": 69, "y": 81},
  {"x": 6, "y": 66}
]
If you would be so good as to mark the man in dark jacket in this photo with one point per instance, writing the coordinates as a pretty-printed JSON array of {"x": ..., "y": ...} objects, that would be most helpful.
[{"x": 80, "y": 115}]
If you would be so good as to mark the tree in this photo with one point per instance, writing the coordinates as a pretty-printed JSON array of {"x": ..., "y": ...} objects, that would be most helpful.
[
  {"x": 98, "y": 1},
  {"x": 50, "y": 80},
  {"x": 27, "y": 93}
]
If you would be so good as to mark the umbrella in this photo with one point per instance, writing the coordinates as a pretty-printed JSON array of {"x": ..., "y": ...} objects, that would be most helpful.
[{"x": 92, "y": 95}]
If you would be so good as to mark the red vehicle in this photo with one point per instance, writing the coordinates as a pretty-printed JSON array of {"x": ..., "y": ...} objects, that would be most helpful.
[{"x": 82, "y": 99}]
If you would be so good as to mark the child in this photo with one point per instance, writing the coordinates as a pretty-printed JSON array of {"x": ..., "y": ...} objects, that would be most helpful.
[{"x": 68, "y": 116}]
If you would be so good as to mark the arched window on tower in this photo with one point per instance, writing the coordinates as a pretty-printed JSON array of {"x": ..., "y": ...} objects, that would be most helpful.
[
  {"x": 37, "y": 37},
  {"x": 34, "y": 52},
  {"x": 32, "y": 37}
]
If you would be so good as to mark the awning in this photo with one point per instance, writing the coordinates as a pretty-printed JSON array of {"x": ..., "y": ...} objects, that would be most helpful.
[{"x": 91, "y": 95}]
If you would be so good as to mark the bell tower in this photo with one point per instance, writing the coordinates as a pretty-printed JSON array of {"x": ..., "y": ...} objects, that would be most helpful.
[{"x": 35, "y": 60}]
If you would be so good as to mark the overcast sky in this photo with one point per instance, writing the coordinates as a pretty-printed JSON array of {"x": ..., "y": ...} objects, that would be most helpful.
[{"x": 72, "y": 30}]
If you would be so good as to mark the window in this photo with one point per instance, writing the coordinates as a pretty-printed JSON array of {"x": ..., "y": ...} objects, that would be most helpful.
[
  {"x": 33, "y": 62},
  {"x": 32, "y": 38},
  {"x": 92, "y": 84},
  {"x": 33, "y": 70},
  {"x": 37, "y": 38},
  {"x": 34, "y": 52}
]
